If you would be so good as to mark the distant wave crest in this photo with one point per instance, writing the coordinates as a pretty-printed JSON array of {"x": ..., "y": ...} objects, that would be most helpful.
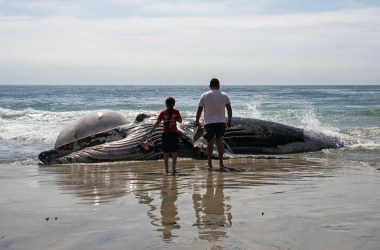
[{"x": 14, "y": 114}]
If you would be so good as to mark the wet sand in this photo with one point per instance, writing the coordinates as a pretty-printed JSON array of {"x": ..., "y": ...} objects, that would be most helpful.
[{"x": 305, "y": 202}]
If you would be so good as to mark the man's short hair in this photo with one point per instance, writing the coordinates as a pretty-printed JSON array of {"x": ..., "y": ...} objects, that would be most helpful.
[{"x": 214, "y": 83}]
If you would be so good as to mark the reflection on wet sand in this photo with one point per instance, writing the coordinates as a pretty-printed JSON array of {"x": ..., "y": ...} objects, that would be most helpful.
[
  {"x": 211, "y": 212},
  {"x": 102, "y": 183},
  {"x": 169, "y": 213},
  {"x": 94, "y": 184},
  {"x": 167, "y": 221}
]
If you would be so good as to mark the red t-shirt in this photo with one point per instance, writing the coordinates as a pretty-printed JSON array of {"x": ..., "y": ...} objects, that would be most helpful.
[{"x": 164, "y": 115}]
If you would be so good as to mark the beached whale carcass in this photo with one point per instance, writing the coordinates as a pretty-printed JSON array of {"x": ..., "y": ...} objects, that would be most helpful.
[{"x": 105, "y": 135}]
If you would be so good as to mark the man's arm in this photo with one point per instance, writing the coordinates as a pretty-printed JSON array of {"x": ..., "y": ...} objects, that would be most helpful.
[
  {"x": 198, "y": 116},
  {"x": 229, "y": 114}
]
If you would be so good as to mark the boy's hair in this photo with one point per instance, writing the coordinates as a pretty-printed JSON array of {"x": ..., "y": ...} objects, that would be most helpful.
[
  {"x": 214, "y": 83},
  {"x": 170, "y": 102}
]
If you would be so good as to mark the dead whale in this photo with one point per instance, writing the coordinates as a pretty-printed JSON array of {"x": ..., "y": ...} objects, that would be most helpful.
[{"x": 106, "y": 135}]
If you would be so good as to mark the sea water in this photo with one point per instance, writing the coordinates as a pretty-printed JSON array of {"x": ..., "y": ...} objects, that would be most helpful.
[
  {"x": 317, "y": 200},
  {"x": 31, "y": 117}
]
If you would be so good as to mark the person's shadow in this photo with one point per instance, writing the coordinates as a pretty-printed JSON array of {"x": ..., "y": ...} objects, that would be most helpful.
[{"x": 213, "y": 216}]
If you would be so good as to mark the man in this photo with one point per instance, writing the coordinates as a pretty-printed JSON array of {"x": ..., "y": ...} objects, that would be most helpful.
[{"x": 214, "y": 102}]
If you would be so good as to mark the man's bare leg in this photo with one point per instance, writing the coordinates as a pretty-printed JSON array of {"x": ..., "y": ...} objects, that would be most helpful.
[
  {"x": 210, "y": 148},
  {"x": 220, "y": 145}
]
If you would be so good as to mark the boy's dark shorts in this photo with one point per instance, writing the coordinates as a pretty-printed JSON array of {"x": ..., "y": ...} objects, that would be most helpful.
[
  {"x": 214, "y": 130},
  {"x": 170, "y": 142}
]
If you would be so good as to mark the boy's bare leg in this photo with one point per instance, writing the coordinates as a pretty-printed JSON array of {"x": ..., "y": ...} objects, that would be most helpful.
[
  {"x": 166, "y": 160},
  {"x": 174, "y": 159}
]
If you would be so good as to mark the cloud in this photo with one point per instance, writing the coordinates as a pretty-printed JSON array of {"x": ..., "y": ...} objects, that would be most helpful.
[
  {"x": 328, "y": 47},
  {"x": 153, "y": 8}
]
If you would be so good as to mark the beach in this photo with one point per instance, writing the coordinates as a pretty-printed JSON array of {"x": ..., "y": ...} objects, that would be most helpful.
[
  {"x": 297, "y": 203},
  {"x": 84, "y": 122},
  {"x": 327, "y": 199}
]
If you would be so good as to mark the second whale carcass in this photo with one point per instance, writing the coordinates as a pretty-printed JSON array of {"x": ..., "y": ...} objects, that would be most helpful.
[{"x": 106, "y": 135}]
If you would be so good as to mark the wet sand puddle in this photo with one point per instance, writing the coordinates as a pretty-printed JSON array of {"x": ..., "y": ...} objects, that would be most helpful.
[{"x": 263, "y": 203}]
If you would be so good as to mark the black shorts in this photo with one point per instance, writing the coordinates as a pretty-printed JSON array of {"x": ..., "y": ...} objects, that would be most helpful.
[
  {"x": 214, "y": 130},
  {"x": 170, "y": 142}
]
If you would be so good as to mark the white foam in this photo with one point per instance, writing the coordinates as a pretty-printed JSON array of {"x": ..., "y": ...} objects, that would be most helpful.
[
  {"x": 30, "y": 124},
  {"x": 252, "y": 110},
  {"x": 36, "y": 125}
]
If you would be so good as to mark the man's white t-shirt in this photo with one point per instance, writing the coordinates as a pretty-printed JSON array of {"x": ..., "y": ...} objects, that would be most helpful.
[{"x": 214, "y": 103}]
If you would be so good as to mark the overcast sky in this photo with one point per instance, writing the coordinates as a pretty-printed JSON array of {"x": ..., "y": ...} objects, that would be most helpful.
[{"x": 189, "y": 41}]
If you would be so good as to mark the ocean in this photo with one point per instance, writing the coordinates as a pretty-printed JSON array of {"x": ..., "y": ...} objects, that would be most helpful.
[
  {"x": 316, "y": 200},
  {"x": 31, "y": 117}
]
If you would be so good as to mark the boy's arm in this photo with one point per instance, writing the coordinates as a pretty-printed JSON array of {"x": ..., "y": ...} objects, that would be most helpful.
[{"x": 155, "y": 126}]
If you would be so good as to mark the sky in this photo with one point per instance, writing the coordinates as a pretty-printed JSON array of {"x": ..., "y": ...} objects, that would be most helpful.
[{"x": 252, "y": 42}]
